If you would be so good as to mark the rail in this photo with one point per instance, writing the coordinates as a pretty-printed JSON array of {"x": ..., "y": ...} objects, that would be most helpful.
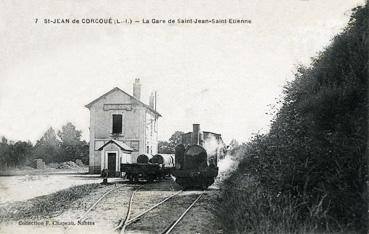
[
  {"x": 172, "y": 226},
  {"x": 83, "y": 217}
]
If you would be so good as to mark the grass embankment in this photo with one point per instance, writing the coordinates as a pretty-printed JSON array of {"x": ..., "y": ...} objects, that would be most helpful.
[
  {"x": 309, "y": 173},
  {"x": 45, "y": 206},
  {"x": 246, "y": 207}
]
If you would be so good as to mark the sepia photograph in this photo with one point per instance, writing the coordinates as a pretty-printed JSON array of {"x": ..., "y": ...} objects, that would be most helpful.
[{"x": 203, "y": 117}]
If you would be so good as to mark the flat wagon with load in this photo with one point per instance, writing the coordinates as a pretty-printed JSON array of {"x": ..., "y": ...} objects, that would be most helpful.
[
  {"x": 166, "y": 162},
  {"x": 148, "y": 167}
]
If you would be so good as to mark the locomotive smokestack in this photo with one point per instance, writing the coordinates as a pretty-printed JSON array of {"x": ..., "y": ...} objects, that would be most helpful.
[
  {"x": 196, "y": 134},
  {"x": 137, "y": 89}
]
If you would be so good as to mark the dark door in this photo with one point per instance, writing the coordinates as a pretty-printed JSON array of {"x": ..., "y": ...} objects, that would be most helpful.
[{"x": 112, "y": 163}]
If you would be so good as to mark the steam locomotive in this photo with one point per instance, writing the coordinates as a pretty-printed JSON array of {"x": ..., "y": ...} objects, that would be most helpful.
[
  {"x": 194, "y": 164},
  {"x": 197, "y": 157}
]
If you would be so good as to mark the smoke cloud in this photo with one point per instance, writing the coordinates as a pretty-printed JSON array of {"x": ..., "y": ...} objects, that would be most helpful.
[
  {"x": 211, "y": 145},
  {"x": 226, "y": 166}
]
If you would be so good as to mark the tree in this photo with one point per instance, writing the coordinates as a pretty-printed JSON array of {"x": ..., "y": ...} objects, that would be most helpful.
[
  {"x": 72, "y": 147},
  {"x": 167, "y": 147},
  {"x": 47, "y": 147},
  {"x": 21, "y": 152},
  {"x": 69, "y": 135},
  {"x": 4, "y": 153},
  {"x": 164, "y": 148},
  {"x": 14, "y": 154},
  {"x": 176, "y": 138}
]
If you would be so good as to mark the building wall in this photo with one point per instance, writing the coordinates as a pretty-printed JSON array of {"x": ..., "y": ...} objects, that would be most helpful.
[
  {"x": 133, "y": 127},
  {"x": 151, "y": 133}
]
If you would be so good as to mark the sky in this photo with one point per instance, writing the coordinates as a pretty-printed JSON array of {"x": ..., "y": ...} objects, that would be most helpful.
[{"x": 225, "y": 77}]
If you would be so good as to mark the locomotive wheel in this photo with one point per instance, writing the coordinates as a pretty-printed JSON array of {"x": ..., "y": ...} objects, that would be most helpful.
[{"x": 135, "y": 179}]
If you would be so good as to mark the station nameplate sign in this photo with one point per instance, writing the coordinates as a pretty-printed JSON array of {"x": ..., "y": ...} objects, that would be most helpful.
[{"x": 127, "y": 107}]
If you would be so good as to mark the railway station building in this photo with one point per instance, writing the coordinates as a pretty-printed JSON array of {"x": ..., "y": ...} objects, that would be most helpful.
[{"x": 121, "y": 128}]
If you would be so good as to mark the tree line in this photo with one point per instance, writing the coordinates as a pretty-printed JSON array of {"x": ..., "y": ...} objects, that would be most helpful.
[{"x": 64, "y": 145}]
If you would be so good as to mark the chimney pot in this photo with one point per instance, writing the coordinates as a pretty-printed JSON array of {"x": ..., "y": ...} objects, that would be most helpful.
[
  {"x": 151, "y": 101},
  {"x": 196, "y": 134},
  {"x": 137, "y": 89}
]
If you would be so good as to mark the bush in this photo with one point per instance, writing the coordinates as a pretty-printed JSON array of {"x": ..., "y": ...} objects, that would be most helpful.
[{"x": 310, "y": 170}]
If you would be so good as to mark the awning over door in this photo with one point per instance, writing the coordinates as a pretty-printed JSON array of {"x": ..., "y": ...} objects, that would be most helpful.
[{"x": 124, "y": 147}]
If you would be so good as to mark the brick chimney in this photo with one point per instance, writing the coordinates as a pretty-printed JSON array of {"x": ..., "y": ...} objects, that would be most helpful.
[{"x": 137, "y": 89}]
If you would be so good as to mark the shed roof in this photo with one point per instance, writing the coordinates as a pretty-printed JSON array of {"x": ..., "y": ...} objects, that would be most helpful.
[
  {"x": 120, "y": 144},
  {"x": 118, "y": 89}
]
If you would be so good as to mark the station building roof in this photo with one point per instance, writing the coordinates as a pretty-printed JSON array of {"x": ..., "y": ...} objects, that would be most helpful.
[{"x": 132, "y": 97}]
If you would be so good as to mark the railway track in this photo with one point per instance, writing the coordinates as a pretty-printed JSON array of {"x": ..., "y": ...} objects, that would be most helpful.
[
  {"x": 126, "y": 221},
  {"x": 174, "y": 224},
  {"x": 84, "y": 215},
  {"x": 105, "y": 211},
  {"x": 96, "y": 206},
  {"x": 122, "y": 223}
]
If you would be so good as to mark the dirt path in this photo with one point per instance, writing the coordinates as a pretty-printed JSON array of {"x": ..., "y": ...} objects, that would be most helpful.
[{"x": 21, "y": 188}]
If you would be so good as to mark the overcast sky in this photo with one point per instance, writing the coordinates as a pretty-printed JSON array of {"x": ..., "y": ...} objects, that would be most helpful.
[{"x": 221, "y": 76}]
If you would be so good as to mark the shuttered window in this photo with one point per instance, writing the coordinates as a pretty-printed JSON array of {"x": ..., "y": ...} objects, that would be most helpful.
[{"x": 117, "y": 124}]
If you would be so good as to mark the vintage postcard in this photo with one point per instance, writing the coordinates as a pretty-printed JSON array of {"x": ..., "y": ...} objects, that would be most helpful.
[{"x": 183, "y": 116}]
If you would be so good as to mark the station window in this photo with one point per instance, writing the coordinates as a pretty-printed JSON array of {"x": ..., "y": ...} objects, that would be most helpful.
[{"x": 117, "y": 124}]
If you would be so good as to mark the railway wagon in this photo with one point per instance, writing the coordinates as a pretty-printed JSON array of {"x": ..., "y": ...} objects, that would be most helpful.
[
  {"x": 136, "y": 171},
  {"x": 197, "y": 157},
  {"x": 166, "y": 161},
  {"x": 141, "y": 170},
  {"x": 148, "y": 167}
]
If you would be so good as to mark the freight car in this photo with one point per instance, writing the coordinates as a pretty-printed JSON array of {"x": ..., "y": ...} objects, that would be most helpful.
[
  {"x": 142, "y": 169},
  {"x": 148, "y": 168},
  {"x": 197, "y": 157},
  {"x": 166, "y": 161}
]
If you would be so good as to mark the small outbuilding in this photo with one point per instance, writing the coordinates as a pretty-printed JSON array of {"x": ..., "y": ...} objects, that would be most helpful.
[{"x": 113, "y": 153}]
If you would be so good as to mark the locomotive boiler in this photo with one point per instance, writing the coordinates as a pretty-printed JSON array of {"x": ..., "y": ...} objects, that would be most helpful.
[{"x": 197, "y": 157}]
